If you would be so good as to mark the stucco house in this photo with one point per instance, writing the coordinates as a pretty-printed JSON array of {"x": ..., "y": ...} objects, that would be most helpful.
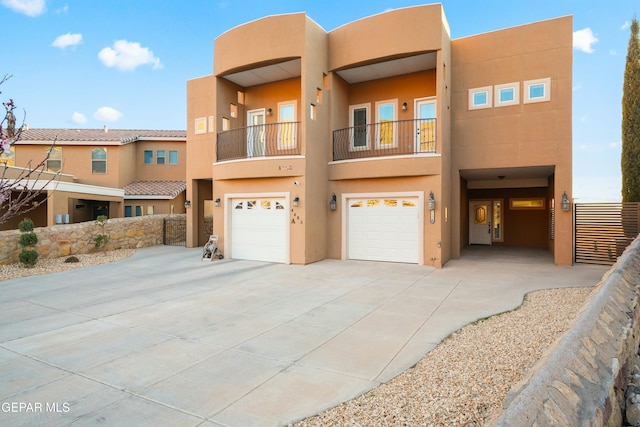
[
  {"x": 113, "y": 172},
  {"x": 313, "y": 144}
]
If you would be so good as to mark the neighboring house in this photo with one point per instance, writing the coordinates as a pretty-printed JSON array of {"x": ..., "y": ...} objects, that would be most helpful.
[
  {"x": 113, "y": 172},
  {"x": 313, "y": 144}
]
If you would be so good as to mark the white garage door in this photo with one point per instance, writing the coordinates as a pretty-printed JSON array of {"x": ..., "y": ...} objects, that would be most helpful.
[
  {"x": 258, "y": 229},
  {"x": 383, "y": 229}
]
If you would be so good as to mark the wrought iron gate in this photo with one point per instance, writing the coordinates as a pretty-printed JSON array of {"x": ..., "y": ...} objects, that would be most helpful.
[
  {"x": 604, "y": 230},
  {"x": 174, "y": 231}
]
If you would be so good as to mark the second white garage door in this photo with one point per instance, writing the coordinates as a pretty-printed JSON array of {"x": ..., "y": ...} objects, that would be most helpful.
[
  {"x": 258, "y": 229},
  {"x": 383, "y": 229}
]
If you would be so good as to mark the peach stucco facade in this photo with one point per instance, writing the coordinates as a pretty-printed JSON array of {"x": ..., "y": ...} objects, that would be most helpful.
[
  {"x": 312, "y": 144},
  {"x": 141, "y": 172}
]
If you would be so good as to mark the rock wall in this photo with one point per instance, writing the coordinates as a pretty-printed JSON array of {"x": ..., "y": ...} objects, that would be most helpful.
[
  {"x": 581, "y": 379},
  {"x": 68, "y": 239}
]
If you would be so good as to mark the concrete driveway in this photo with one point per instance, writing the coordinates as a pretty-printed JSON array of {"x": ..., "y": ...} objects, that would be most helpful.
[{"x": 164, "y": 338}]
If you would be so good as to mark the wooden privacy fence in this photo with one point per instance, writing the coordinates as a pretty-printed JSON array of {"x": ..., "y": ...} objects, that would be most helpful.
[{"x": 604, "y": 230}]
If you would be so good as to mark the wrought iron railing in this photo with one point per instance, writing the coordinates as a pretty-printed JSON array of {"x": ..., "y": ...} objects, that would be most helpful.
[
  {"x": 385, "y": 139},
  {"x": 274, "y": 139}
]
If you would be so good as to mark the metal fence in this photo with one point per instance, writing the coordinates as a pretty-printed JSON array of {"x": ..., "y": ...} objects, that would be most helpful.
[
  {"x": 385, "y": 139},
  {"x": 174, "y": 231},
  {"x": 274, "y": 139},
  {"x": 604, "y": 230}
]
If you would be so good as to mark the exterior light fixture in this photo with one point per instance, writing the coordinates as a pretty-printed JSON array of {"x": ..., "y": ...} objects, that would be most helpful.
[
  {"x": 269, "y": 111},
  {"x": 431, "y": 205},
  {"x": 565, "y": 204},
  {"x": 296, "y": 202},
  {"x": 404, "y": 106},
  {"x": 216, "y": 202},
  {"x": 187, "y": 204},
  {"x": 333, "y": 204}
]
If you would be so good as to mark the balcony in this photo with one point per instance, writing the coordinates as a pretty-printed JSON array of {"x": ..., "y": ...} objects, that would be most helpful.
[
  {"x": 267, "y": 140},
  {"x": 391, "y": 138}
]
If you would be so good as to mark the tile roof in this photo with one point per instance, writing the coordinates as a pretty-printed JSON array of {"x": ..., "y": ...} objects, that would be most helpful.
[
  {"x": 167, "y": 189},
  {"x": 121, "y": 136}
]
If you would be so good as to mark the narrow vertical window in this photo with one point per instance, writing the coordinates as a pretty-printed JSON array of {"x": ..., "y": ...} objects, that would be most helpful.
[
  {"x": 173, "y": 157},
  {"x": 386, "y": 137},
  {"x": 286, "y": 125},
  {"x": 359, "y": 120},
  {"x": 99, "y": 160},
  {"x": 54, "y": 162},
  {"x": 160, "y": 157},
  {"x": 148, "y": 157}
]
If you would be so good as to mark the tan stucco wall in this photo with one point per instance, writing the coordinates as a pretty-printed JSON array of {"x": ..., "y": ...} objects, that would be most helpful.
[
  {"x": 520, "y": 135},
  {"x": 412, "y": 29}
]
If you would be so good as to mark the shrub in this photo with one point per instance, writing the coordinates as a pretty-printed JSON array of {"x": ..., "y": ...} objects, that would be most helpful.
[
  {"x": 28, "y": 257},
  {"x": 28, "y": 239},
  {"x": 26, "y": 225}
]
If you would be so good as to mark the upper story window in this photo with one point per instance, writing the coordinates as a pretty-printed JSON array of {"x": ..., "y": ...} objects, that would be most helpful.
[
  {"x": 386, "y": 131},
  {"x": 9, "y": 157},
  {"x": 99, "y": 160},
  {"x": 54, "y": 162},
  {"x": 200, "y": 125},
  {"x": 148, "y": 157},
  {"x": 173, "y": 157},
  {"x": 286, "y": 127},
  {"x": 507, "y": 94},
  {"x": 160, "y": 157},
  {"x": 480, "y": 97},
  {"x": 358, "y": 121},
  {"x": 538, "y": 90}
]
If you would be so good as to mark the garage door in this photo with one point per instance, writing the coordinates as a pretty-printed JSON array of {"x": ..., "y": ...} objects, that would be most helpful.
[
  {"x": 258, "y": 229},
  {"x": 383, "y": 229}
]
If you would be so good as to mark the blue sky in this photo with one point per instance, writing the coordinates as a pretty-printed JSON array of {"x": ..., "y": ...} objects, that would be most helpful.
[{"x": 125, "y": 63}]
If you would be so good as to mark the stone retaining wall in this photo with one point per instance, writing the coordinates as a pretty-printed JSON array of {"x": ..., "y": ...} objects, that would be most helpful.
[
  {"x": 581, "y": 379},
  {"x": 69, "y": 239}
]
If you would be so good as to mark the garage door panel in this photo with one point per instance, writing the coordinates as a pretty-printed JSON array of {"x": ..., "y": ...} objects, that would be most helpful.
[
  {"x": 258, "y": 229},
  {"x": 383, "y": 229}
]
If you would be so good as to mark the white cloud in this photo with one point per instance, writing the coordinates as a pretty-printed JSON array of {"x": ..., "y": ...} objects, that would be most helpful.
[
  {"x": 26, "y": 7},
  {"x": 613, "y": 52},
  {"x": 577, "y": 86},
  {"x": 64, "y": 9},
  {"x": 67, "y": 40},
  {"x": 127, "y": 56},
  {"x": 626, "y": 25},
  {"x": 107, "y": 114},
  {"x": 583, "y": 40},
  {"x": 78, "y": 118}
]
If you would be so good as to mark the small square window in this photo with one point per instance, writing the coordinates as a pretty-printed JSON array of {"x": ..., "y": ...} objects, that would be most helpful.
[
  {"x": 160, "y": 157},
  {"x": 201, "y": 125},
  {"x": 507, "y": 94},
  {"x": 480, "y": 98},
  {"x": 537, "y": 90}
]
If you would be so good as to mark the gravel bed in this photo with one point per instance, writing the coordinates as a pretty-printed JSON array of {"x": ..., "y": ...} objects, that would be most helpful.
[
  {"x": 53, "y": 265},
  {"x": 465, "y": 379}
]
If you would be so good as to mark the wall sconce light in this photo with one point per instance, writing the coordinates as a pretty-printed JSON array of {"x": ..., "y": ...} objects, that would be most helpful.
[
  {"x": 333, "y": 204},
  {"x": 216, "y": 202},
  {"x": 296, "y": 202},
  {"x": 187, "y": 204},
  {"x": 269, "y": 111},
  {"x": 431, "y": 205},
  {"x": 404, "y": 106},
  {"x": 565, "y": 204}
]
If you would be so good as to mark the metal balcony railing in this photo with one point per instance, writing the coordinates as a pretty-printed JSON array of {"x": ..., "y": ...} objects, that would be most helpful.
[
  {"x": 390, "y": 138},
  {"x": 274, "y": 139}
]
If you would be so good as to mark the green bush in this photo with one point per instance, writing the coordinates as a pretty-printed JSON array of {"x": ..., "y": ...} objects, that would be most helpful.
[
  {"x": 28, "y": 239},
  {"x": 28, "y": 257},
  {"x": 101, "y": 240},
  {"x": 26, "y": 225}
]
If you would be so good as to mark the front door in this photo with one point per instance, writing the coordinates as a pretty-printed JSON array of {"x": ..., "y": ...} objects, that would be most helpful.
[
  {"x": 255, "y": 133},
  {"x": 425, "y": 125},
  {"x": 479, "y": 222}
]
